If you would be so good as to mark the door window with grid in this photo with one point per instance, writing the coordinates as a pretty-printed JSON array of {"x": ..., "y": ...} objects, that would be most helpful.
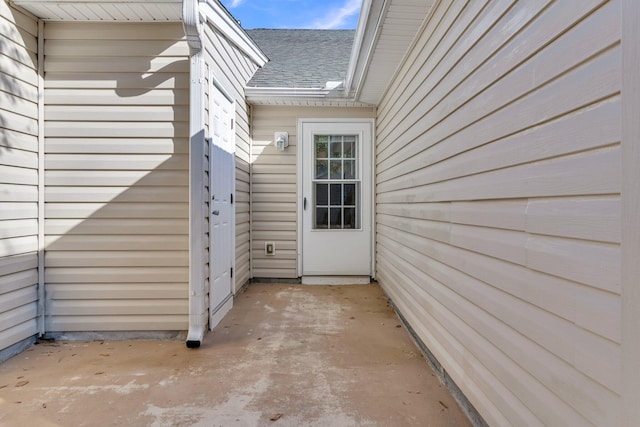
[{"x": 336, "y": 183}]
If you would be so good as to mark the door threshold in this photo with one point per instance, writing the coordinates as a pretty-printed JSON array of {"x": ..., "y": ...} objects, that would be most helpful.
[{"x": 336, "y": 280}]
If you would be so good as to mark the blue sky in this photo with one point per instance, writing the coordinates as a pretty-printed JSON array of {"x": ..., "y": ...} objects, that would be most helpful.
[{"x": 317, "y": 14}]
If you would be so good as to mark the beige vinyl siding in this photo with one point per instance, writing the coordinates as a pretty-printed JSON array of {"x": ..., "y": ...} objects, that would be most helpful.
[
  {"x": 274, "y": 184},
  {"x": 116, "y": 181},
  {"x": 498, "y": 205},
  {"x": 18, "y": 176},
  {"x": 232, "y": 69}
]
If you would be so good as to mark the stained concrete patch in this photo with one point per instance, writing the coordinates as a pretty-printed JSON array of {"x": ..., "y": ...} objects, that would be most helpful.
[{"x": 286, "y": 355}]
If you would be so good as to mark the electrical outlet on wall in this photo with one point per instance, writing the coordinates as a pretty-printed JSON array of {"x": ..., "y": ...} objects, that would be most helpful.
[{"x": 269, "y": 248}]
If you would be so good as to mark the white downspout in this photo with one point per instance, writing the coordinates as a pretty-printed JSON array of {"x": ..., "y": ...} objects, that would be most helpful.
[{"x": 197, "y": 298}]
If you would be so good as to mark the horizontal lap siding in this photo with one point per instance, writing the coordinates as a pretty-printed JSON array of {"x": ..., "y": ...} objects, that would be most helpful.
[
  {"x": 275, "y": 186},
  {"x": 498, "y": 205},
  {"x": 232, "y": 70},
  {"x": 18, "y": 176},
  {"x": 116, "y": 180}
]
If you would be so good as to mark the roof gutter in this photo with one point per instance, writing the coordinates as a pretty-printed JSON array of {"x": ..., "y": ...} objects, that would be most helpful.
[
  {"x": 333, "y": 93},
  {"x": 293, "y": 92},
  {"x": 197, "y": 297}
]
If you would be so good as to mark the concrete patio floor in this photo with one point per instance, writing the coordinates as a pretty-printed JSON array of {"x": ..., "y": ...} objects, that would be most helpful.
[{"x": 286, "y": 355}]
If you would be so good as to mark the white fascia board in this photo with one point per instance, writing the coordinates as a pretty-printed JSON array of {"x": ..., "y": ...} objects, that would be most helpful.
[
  {"x": 368, "y": 31},
  {"x": 220, "y": 19},
  {"x": 357, "y": 42}
]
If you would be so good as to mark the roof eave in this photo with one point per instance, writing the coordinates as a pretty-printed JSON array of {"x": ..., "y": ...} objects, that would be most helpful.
[
  {"x": 386, "y": 31},
  {"x": 145, "y": 11},
  {"x": 299, "y": 96},
  {"x": 367, "y": 33},
  {"x": 103, "y": 11}
]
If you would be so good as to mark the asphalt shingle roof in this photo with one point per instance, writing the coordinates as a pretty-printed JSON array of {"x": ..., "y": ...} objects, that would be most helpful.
[{"x": 302, "y": 58}]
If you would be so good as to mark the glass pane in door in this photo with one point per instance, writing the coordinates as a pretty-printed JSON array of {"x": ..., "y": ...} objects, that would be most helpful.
[{"x": 336, "y": 183}]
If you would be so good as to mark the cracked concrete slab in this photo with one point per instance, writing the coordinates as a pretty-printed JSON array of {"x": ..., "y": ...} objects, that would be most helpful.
[{"x": 286, "y": 355}]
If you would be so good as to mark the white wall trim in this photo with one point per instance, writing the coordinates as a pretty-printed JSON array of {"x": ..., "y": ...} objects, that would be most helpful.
[
  {"x": 250, "y": 114},
  {"x": 234, "y": 286},
  {"x": 235, "y": 200},
  {"x": 299, "y": 185},
  {"x": 41, "y": 188},
  {"x": 373, "y": 198},
  {"x": 630, "y": 207}
]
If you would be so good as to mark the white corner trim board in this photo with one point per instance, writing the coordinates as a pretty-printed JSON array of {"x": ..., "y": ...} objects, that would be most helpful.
[
  {"x": 41, "y": 186},
  {"x": 630, "y": 206}
]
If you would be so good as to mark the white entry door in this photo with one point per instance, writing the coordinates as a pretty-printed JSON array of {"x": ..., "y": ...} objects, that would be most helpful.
[
  {"x": 221, "y": 218},
  {"x": 336, "y": 199}
]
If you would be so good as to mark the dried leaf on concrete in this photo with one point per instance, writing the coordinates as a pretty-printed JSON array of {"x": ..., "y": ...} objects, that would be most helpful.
[{"x": 275, "y": 417}]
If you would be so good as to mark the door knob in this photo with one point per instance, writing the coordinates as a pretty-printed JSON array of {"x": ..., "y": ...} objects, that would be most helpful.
[{"x": 216, "y": 212}]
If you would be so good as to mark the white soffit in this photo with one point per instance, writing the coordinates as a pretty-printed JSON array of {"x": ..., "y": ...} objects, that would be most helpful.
[
  {"x": 109, "y": 11},
  {"x": 301, "y": 101},
  {"x": 382, "y": 40}
]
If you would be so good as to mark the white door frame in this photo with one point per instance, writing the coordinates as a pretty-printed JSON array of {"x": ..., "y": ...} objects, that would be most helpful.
[{"x": 300, "y": 162}]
